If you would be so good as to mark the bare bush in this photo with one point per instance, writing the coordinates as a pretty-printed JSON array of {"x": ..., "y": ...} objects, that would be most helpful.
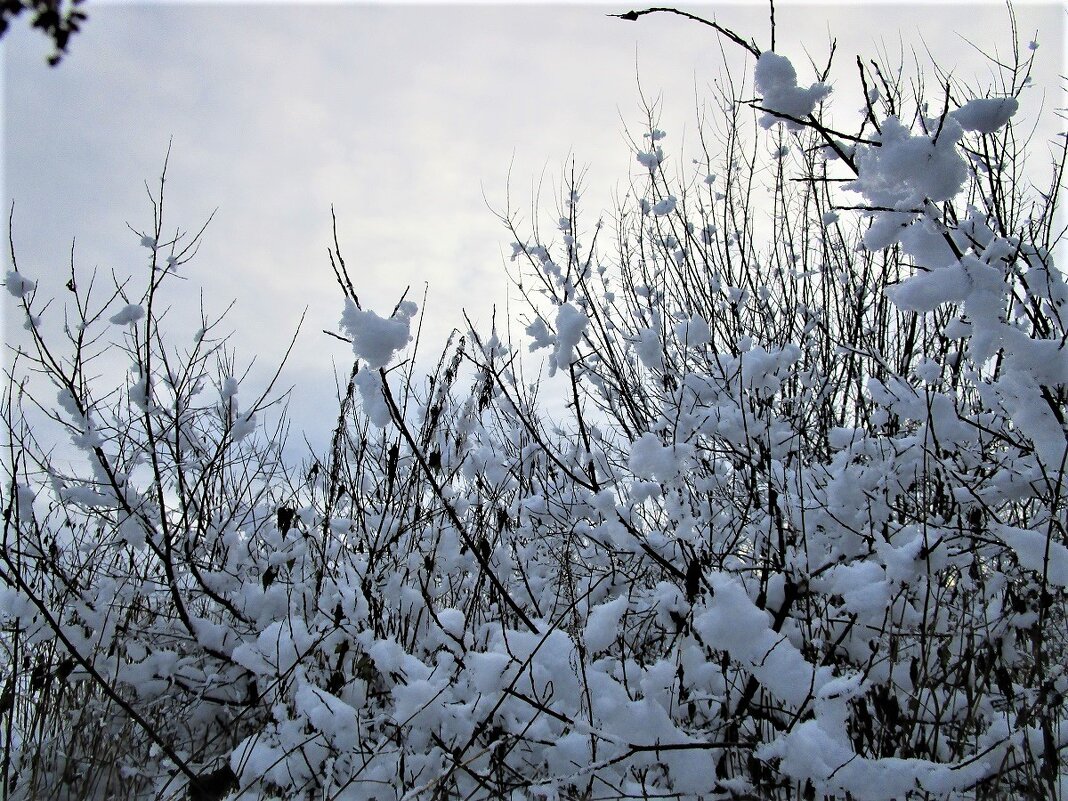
[{"x": 798, "y": 530}]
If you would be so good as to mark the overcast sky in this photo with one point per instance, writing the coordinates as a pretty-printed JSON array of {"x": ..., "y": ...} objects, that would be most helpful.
[{"x": 406, "y": 118}]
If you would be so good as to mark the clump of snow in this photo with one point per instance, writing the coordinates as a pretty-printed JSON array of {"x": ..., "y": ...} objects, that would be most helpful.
[
  {"x": 277, "y": 649},
  {"x": 243, "y": 426},
  {"x": 369, "y": 382},
  {"x": 141, "y": 393},
  {"x": 664, "y": 206},
  {"x": 863, "y": 587},
  {"x": 649, "y": 348},
  {"x": 66, "y": 400},
  {"x": 452, "y": 622},
  {"x": 82, "y": 495},
  {"x": 489, "y": 671},
  {"x": 376, "y": 339},
  {"x": 571, "y": 322},
  {"x": 651, "y": 159},
  {"x": 18, "y": 285},
  {"x": 776, "y": 80},
  {"x": 129, "y": 313},
  {"x": 986, "y": 114},
  {"x": 650, "y": 458},
  {"x": 901, "y": 558},
  {"x": 1029, "y": 411},
  {"x": 26, "y": 497},
  {"x": 132, "y": 532},
  {"x": 1038, "y": 552},
  {"x": 329, "y": 715},
  {"x": 905, "y": 172},
  {"x": 926, "y": 244},
  {"x": 602, "y": 625},
  {"x": 693, "y": 332},
  {"x": 735, "y": 624},
  {"x": 924, "y": 291},
  {"x": 540, "y": 336},
  {"x": 228, "y": 389}
]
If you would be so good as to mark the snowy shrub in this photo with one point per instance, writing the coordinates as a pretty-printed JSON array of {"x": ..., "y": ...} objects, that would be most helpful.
[{"x": 793, "y": 526}]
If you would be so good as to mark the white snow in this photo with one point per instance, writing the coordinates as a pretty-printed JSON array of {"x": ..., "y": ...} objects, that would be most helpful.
[
  {"x": 376, "y": 339},
  {"x": 132, "y": 532},
  {"x": 905, "y": 172},
  {"x": 602, "y": 624},
  {"x": 129, "y": 313},
  {"x": 986, "y": 114},
  {"x": 651, "y": 159},
  {"x": 540, "y": 336},
  {"x": 693, "y": 332},
  {"x": 571, "y": 323},
  {"x": 25, "y": 496},
  {"x": 369, "y": 383},
  {"x": 664, "y": 206},
  {"x": 776, "y": 80},
  {"x": 277, "y": 649},
  {"x": 649, "y": 348},
  {"x": 82, "y": 495},
  {"x": 18, "y": 285},
  {"x": 725, "y": 430},
  {"x": 329, "y": 715},
  {"x": 1031, "y": 549},
  {"x": 863, "y": 588},
  {"x": 650, "y": 458},
  {"x": 242, "y": 427},
  {"x": 736, "y": 625},
  {"x": 924, "y": 291}
]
